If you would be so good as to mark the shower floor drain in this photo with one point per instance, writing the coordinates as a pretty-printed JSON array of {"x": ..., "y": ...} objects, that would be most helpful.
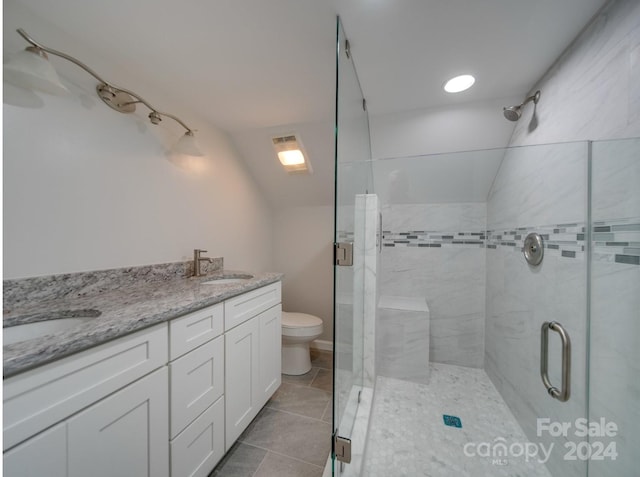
[{"x": 451, "y": 421}]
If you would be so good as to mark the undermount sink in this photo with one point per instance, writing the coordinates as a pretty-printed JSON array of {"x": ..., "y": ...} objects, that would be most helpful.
[
  {"x": 28, "y": 331},
  {"x": 227, "y": 280}
]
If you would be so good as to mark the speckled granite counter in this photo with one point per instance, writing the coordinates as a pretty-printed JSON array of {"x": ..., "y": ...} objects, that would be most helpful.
[{"x": 128, "y": 300}]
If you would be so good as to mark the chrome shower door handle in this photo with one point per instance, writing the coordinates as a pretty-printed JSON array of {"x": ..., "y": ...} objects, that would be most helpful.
[{"x": 564, "y": 393}]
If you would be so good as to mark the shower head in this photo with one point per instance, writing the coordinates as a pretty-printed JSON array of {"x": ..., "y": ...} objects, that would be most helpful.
[{"x": 513, "y": 113}]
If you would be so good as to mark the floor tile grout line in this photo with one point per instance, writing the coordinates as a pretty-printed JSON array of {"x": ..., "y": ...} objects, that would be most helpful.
[
  {"x": 298, "y": 415},
  {"x": 281, "y": 455},
  {"x": 295, "y": 413},
  {"x": 308, "y": 386},
  {"x": 326, "y": 408},
  {"x": 261, "y": 462}
]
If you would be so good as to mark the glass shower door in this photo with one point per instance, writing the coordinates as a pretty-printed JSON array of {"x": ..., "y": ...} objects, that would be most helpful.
[
  {"x": 614, "y": 353},
  {"x": 455, "y": 228},
  {"x": 540, "y": 189},
  {"x": 352, "y": 176}
]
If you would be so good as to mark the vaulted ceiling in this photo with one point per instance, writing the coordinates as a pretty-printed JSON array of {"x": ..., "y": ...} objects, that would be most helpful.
[
  {"x": 252, "y": 65},
  {"x": 256, "y": 63}
]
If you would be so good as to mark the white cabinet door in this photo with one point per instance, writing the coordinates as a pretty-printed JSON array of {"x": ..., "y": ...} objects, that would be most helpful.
[
  {"x": 242, "y": 378},
  {"x": 125, "y": 434},
  {"x": 44, "y": 454},
  {"x": 270, "y": 352}
]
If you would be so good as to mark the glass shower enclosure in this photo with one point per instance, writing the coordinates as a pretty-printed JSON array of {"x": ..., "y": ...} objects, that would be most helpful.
[
  {"x": 453, "y": 354},
  {"x": 352, "y": 272}
]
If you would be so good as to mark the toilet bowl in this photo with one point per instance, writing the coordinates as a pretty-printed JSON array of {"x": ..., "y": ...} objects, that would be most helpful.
[{"x": 298, "y": 330}]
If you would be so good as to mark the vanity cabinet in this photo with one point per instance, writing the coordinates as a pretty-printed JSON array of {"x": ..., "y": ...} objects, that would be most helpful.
[
  {"x": 123, "y": 434},
  {"x": 252, "y": 356},
  {"x": 168, "y": 400},
  {"x": 97, "y": 431}
]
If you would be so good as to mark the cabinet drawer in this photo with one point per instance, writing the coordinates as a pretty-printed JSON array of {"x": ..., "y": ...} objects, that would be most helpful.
[
  {"x": 197, "y": 449},
  {"x": 240, "y": 308},
  {"x": 192, "y": 330},
  {"x": 197, "y": 381},
  {"x": 37, "y": 399}
]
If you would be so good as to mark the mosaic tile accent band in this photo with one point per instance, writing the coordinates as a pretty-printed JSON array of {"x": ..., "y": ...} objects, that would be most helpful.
[
  {"x": 617, "y": 241},
  {"x": 423, "y": 238},
  {"x": 613, "y": 240},
  {"x": 563, "y": 240}
]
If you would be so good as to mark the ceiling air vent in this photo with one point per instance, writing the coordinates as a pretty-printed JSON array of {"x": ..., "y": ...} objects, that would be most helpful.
[{"x": 291, "y": 154}]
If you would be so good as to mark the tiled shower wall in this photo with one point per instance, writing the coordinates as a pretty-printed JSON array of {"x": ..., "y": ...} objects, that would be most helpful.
[
  {"x": 603, "y": 64},
  {"x": 541, "y": 189},
  {"x": 436, "y": 251}
]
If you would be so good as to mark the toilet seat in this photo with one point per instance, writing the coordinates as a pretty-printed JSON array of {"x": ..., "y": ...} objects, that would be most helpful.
[{"x": 300, "y": 324}]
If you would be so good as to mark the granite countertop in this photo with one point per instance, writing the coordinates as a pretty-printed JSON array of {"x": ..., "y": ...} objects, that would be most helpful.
[{"x": 124, "y": 309}]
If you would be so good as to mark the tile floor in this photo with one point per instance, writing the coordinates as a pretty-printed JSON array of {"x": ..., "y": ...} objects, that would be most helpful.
[
  {"x": 291, "y": 436},
  {"x": 407, "y": 435}
]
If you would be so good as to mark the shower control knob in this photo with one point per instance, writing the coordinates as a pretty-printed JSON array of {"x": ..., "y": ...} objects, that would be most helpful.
[{"x": 533, "y": 249}]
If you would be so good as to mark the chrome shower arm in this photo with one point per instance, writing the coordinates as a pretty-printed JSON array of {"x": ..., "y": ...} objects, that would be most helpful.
[{"x": 534, "y": 97}]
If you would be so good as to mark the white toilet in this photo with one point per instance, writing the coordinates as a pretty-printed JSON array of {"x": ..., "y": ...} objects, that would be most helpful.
[{"x": 298, "y": 330}]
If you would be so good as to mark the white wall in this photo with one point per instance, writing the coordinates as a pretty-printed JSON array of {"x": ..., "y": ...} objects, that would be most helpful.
[
  {"x": 303, "y": 214},
  {"x": 460, "y": 127},
  {"x": 282, "y": 189},
  {"x": 88, "y": 188},
  {"x": 303, "y": 250}
]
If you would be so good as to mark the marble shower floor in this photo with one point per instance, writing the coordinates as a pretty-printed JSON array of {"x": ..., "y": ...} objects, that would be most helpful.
[
  {"x": 407, "y": 435},
  {"x": 291, "y": 436}
]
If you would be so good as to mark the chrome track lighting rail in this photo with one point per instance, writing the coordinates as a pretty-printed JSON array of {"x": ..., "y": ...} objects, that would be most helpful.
[{"x": 116, "y": 97}]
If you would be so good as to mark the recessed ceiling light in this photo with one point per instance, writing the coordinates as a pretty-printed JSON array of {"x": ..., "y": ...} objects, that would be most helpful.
[{"x": 459, "y": 83}]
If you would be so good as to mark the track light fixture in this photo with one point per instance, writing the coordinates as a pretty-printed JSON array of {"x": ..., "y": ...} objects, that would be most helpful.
[{"x": 31, "y": 68}]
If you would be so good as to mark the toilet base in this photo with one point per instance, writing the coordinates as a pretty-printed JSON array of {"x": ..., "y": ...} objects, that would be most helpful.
[{"x": 296, "y": 359}]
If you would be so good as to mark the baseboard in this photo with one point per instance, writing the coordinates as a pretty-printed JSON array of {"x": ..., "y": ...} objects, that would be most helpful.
[
  {"x": 328, "y": 468},
  {"x": 323, "y": 345}
]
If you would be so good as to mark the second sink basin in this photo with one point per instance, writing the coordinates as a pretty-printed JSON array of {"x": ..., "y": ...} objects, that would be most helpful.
[{"x": 46, "y": 324}]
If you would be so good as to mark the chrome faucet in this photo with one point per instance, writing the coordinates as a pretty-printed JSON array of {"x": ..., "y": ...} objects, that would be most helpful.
[{"x": 196, "y": 261}]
